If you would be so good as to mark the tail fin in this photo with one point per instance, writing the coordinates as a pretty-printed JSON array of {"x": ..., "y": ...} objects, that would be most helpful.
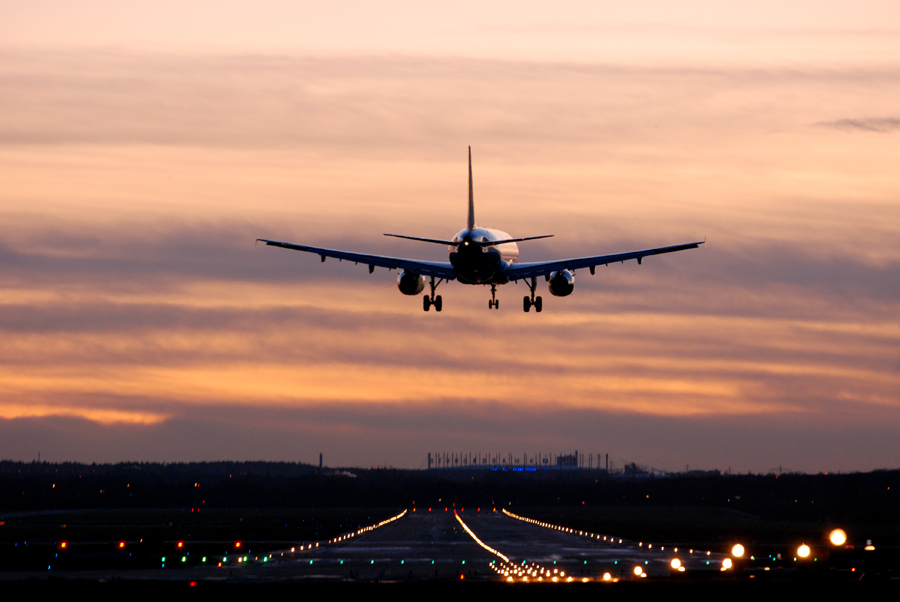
[{"x": 470, "y": 224}]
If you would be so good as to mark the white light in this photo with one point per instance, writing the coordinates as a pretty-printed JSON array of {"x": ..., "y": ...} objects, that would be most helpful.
[
  {"x": 803, "y": 551},
  {"x": 676, "y": 564},
  {"x": 838, "y": 537},
  {"x": 737, "y": 551}
]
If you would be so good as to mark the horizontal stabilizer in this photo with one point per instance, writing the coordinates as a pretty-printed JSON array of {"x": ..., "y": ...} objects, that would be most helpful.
[
  {"x": 433, "y": 240},
  {"x": 491, "y": 243}
]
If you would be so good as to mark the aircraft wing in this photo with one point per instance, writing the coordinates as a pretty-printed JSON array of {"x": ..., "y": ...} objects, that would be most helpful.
[
  {"x": 518, "y": 271},
  {"x": 425, "y": 268}
]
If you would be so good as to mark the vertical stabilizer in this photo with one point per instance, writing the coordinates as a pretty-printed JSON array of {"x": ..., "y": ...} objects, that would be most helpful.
[{"x": 471, "y": 223}]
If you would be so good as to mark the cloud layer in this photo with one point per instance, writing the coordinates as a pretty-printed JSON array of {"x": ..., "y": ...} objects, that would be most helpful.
[{"x": 135, "y": 311}]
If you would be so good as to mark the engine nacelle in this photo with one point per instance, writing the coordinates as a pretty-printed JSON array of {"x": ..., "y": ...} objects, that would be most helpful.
[
  {"x": 410, "y": 284},
  {"x": 561, "y": 283}
]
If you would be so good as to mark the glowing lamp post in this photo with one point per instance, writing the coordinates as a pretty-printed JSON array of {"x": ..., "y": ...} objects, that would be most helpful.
[{"x": 838, "y": 537}]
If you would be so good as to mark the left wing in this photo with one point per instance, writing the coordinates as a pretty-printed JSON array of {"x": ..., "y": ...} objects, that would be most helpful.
[
  {"x": 518, "y": 271},
  {"x": 425, "y": 268}
]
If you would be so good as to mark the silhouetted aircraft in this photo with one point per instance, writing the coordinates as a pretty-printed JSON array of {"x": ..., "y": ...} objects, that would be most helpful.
[{"x": 481, "y": 256}]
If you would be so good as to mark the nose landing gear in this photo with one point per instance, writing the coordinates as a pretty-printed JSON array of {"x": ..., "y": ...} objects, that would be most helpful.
[
  {"x": 429, "y": 301},
  {"x": 532, "y": 301},
  {"x": 494, "y": 303}
]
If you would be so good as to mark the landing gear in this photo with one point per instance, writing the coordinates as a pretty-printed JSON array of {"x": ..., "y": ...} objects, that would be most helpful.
[
  {"x": 429, "y": 301},
  {"x": 532, "y": 301},
  {"x": 494, "y": 303}
]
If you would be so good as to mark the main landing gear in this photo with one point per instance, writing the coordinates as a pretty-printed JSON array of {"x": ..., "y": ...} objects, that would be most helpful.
[
  {"x": 427, "y": 301},
  {"x": 494, "y": 303},
  {"x": 532, "y": 301}
]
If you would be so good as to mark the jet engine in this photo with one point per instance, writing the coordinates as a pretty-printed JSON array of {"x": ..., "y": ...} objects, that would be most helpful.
[
  {"x": 561, "y": 283},
  {"x": 410, "y": 284}
]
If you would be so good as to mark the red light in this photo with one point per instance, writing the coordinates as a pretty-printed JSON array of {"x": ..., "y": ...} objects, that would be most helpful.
[
  {"x": 462, "y": 576},
  {"x": 237, "y": 544},
  {"x": 180, "y": 544},
  {"x": 63, "y": 545},
  {"x": 121, "y": 544},
  {"x": 193, "y": 584}
]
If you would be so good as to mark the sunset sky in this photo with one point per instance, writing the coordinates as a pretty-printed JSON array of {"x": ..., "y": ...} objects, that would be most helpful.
[{"x": 144, "y": 146}]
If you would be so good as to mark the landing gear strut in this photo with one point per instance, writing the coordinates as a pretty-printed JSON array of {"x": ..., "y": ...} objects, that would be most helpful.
[
  {"x": 494, "y": 303},
  {"x": 532, "y": 301},
  {"x": 427, "y": 301}
]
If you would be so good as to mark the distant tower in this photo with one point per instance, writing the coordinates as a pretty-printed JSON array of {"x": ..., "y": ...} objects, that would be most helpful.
[{"x": 320, "y": 461}]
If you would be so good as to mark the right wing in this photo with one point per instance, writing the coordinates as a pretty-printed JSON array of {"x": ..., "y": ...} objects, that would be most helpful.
[
  {"x": 518, "y": 271},
  {"x": 425, "y": 268}
]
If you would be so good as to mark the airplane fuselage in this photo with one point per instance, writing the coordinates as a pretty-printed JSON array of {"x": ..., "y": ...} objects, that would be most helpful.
[{"x": 477, "y": 264}]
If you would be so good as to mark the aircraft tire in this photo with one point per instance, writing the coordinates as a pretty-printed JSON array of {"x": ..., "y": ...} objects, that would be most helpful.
[
  {"x": 426, "y": 303},
  {"x": 538, "y": 304},
  {"x": 438, "y": 303},
  {"x": 526, "y": 304}
]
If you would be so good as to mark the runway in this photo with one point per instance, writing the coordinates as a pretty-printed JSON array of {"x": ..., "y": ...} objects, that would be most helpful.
[{"x": 480, "y": 544}]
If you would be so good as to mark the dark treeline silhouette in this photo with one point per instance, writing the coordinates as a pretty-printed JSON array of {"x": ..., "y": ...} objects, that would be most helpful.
[{"x": 32, "y": 486}]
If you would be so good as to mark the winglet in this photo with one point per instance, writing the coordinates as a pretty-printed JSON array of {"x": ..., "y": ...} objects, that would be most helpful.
[{"x": 470, "y": 224}]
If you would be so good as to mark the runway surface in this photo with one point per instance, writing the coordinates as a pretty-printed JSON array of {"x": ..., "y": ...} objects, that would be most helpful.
[{"x": 436, "y": 545}]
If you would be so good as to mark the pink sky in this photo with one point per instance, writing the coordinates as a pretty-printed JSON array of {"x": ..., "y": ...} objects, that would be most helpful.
[{"x": 143, "y": 148}]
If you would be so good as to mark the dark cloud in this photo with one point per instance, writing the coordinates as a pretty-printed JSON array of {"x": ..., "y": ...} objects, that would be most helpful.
[
  {"x": 870, "y": 124},
  {"x": 355, "y": 434},
  {"x": 142, "y": 257}
]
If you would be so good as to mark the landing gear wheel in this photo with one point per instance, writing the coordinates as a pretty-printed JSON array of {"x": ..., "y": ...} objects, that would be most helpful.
[
  {"x": 438, "y": 303},
  {"x": 533, "y": 301},
  {"x": 426, "y": 303},
  {"x": 494, "y": 303}
]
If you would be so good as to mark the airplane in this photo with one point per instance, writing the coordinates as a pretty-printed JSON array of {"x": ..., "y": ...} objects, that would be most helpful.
[{"x": 481, "y": 256}]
